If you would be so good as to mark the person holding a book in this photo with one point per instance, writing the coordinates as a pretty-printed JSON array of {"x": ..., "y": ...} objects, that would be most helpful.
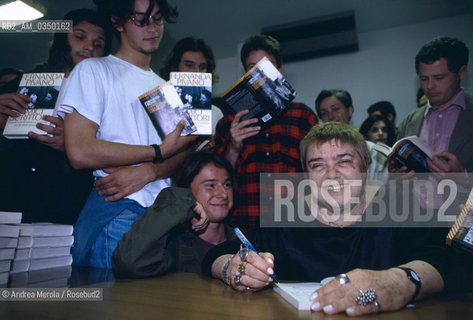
[
  {"x": 183, "y": 223},
  {"x": 89, "y": 38},
  {"x": 36, "y": 178},
  {"x": 380, "y": 268},
  {"x": 445, "y": 122},
  {"x": 192, "y": 54},
  {"x": 253, "y": 149},
  {"x": 107, "y": 129}
]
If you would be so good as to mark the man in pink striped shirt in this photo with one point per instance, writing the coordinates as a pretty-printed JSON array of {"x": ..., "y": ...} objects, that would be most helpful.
[{"x": 445, "y": 123}]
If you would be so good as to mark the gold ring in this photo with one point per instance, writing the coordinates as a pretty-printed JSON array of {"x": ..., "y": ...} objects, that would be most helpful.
[{"x": 241, "y": 267}]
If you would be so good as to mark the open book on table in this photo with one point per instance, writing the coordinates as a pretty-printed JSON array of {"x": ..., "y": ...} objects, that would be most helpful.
[{"x": 298, "y": 293}]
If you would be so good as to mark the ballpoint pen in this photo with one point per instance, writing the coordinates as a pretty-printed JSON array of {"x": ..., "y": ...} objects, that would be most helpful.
[{"x": 247, "y": 244}]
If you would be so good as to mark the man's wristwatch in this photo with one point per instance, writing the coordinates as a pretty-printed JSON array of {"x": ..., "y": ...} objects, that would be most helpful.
[
  {"x": 415, "y": 279},
  {"x": 158, "y": 157}
]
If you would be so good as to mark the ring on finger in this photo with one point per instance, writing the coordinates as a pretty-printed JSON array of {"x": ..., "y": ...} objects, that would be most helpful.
[
  {"x": 378, "y": 305},
  {"x": 243, "y": 254},
  {"x": 242, "y": 267},
  {"x": 237, "y": 279},
  {"x": 366, "y": 297},
  {"x": 343, "y": 278}
]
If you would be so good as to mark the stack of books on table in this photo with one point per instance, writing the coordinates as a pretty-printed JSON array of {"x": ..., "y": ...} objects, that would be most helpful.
[
  {"x": 42, "y": 246},
  {"x": 9, "y": 233},
  {"x": 44, "y": 278}
]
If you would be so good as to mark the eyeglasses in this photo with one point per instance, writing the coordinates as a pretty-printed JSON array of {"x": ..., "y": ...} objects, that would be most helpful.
[{"x": 140, "y": 20}]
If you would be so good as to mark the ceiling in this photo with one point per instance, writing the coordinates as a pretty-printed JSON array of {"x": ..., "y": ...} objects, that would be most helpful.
[{"x": 225, "y": 24}]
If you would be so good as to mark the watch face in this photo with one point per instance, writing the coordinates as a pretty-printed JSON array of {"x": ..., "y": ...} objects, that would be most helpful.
[
  {"x": 414, "y": 278},
  {"x": 414, "y": 275}
]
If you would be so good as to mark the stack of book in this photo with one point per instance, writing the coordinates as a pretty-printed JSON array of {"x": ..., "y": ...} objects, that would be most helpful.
[
  {"x": 8, "y": 242},
  {"x": 44, "y": 278},
  {"x": 42, "y": 246}
]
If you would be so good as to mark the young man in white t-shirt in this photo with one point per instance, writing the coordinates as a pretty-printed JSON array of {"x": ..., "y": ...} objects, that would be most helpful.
[{"x": 107, "y": 128}]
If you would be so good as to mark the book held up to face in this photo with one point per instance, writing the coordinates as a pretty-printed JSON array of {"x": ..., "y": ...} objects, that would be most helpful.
[
  {"x": 195, "y": 91},
  {"x": 262, "y": 90}
]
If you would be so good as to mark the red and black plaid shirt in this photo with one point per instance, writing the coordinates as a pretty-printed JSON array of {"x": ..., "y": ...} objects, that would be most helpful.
[{"x": 274, "y": 149}]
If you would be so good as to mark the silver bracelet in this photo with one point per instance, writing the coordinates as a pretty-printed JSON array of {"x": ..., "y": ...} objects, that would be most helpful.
[{"x": 225, "y": 275}]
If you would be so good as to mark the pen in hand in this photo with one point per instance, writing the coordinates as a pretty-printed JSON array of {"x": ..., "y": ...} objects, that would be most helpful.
[{"x": 247, "y": 244}]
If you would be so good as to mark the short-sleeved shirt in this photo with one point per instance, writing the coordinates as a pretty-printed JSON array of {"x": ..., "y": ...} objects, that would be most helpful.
[{"x": 105, "y": 91}]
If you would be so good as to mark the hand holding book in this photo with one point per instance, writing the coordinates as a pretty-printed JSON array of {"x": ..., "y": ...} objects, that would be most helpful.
[
  {"x": 242, "y": 129},
  {"x": 263, "y": 90},
  {"x": 55, "y": 133},
  {"x": 174, "y": 142},
  {"x": 409, "y": 153},
  {"x": 12, "y": 104},
  {"x": 165, "y": 110},
  {"x": 444, "y": 164},
  {"x": 42, "y": 90}
]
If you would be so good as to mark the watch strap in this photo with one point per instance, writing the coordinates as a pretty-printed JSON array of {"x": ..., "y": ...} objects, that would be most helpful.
[
  {"x": 415, "y": 279},
  {"x": 158, "y": 157}
]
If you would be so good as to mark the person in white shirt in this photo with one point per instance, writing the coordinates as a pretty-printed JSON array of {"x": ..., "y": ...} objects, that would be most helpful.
[{"x": 107, "y": 128}]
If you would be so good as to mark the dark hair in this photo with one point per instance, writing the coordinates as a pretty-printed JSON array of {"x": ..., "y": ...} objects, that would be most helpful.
[
  {"x": 261, "y": 42},
  {"x": 419, "y": 94},
  {"x": 452, "y": 49},
  {"x": 182, "y": 46},
  {"x": 194, "y": 163},
  {"x": 385, "y": 107},
  {"x": 121, "y": 10},
  {"x": 342, "y": 95},
  {"x": 60, "y": 59},
  {"x": 341, "y": 132},
  {"x": 370, "y": 121}
]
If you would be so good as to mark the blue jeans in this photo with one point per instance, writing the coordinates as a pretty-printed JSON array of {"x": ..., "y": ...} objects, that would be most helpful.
[{"x": 100, "y": 226}]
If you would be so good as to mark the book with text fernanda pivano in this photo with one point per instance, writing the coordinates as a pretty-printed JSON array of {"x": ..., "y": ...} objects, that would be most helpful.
[{"x": 43, "y": 89}]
